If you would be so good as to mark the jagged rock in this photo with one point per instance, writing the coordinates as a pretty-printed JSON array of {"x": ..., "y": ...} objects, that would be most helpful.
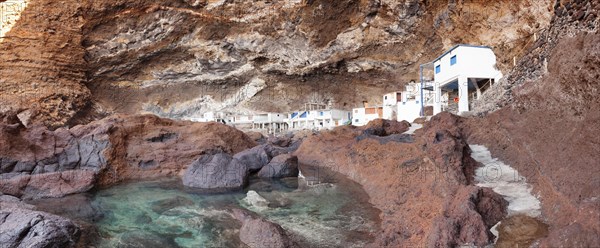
[
  {"x": 55, "y": 184},
  {"x": 285, "y": 165},
  {"x": 45, "y": 163},
  {"x": 257, "y": 137},
  {"x": 382, "y": 127},
  {"x": 282, "y": 141},
  {"x": 25, "y": 117},
  {"x": 28, "y": 228},
  {"x": 433, "y": 172},
  {"x": 468, "y": 216},
  {"x": 274, "y": 151},
  {"x": 219, "y": 172},
  {"x": 256, "y": 232},
  {"x": 254, "y": 158}
]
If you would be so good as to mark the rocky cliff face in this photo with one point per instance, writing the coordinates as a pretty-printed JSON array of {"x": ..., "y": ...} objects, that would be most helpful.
[
  {"x": 548, "y": 125},
  {"x": 183, "y": 58}
]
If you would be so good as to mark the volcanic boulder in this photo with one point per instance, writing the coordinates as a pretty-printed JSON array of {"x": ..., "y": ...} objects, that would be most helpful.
[
  {"x": 27, "y": 228},
  {"x": 256, "y": 232},
  {"x": 219, "y": 172},
  {"x": 285, "y": 165},
  {"x": 254, "y": 158}
]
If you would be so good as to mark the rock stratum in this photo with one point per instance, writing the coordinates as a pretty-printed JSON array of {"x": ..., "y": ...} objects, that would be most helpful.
[{"x": 66, "y": 62}]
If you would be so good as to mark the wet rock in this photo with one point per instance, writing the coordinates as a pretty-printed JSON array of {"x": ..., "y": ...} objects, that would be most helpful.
[
  {"x": 254, "y": 158},
  {"x": 285, "y": 165},
  {"x": 8, "y": 201},
  {"x": 56, "y": 184},
  {"x": 256, "y": 232},
  {"x": 142, "y": 240},
  {"x": 219, "y": 172},
  {"x": 256, "y": 200},
  {"x": 75, "y": 207},
  {"x": 520, "y": 231},
  {"x": 28, "y": 228},
  {"x": 161, "y": 206}
]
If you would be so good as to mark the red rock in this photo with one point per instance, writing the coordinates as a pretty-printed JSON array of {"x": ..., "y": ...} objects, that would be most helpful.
[
  {"x": 257, "y": 232},
  {"x": 421, "y": 186}
]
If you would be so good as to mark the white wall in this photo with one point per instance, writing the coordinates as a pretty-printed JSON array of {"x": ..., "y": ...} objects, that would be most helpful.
[
  {"x": 408, "y": 111},
  {"x": 471, "y": 62},
  {"x": 360, "y": 118},
  {"x": 390, "y": 99},
  {"x": 389, "y": 112}
]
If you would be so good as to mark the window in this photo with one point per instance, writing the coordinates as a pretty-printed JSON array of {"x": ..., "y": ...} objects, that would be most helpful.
[
  {"x": 355, "y": 120},
  {"x": 438, "y": 68},
  {"x": 321, "y": 114},
  {"x": 453, "y": 60},
  {"x": 385, "y": 97}
]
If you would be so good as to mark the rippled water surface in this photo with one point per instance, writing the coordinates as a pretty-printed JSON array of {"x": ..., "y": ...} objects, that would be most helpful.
[{"x": 163, "y": 214}]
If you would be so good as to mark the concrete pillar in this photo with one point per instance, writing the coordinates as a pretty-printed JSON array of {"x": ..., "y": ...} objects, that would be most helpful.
[
  {"x": 463, "y": 94},
  {"x": 478, "y": 89},
  {"x": 437, "y": 101}
]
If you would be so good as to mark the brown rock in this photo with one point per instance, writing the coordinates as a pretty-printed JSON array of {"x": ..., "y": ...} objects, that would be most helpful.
[
  {"x": 256, "y": 232},
  {"x": 382, "y": 127},
  {"x": 421, "y": 185},
  {"x": 256, "y": 136},
  {"x": 520, "y": 231}
]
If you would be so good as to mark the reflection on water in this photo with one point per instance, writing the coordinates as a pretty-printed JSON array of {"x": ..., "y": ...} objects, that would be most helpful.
[{"x": 163, "y": 214}]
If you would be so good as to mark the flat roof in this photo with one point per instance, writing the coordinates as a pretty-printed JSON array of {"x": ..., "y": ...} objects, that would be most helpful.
[{"x": 456, "y": 46}]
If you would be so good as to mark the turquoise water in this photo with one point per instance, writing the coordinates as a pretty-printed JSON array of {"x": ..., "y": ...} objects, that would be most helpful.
[{"x": 163, "y": 214}]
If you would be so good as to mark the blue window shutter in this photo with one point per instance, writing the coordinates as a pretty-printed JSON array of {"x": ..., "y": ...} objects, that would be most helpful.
[
  {"x": 453, "y": 60},
  {"x": 438, "y": 68}
]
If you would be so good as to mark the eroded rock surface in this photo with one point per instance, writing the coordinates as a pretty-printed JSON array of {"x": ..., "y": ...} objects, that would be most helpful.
[
  {"x": 28, "y": 228},
  {"x": 433, "y": 202},
  {"x": 257, "y": 232},
  {"x": 37, "y": 162},
  {"x": 218, "y": 172},
  {"x": 285, "y": 165}
]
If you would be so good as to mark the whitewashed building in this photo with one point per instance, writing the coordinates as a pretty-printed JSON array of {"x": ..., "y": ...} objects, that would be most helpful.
[
  {"x": 212, "y": 117},
  {"x": 461, "y": 73},
  {"x": 318, "y": 116},
  {"x": 272, "y": 122},
  {"x": 362, "y": 116}
]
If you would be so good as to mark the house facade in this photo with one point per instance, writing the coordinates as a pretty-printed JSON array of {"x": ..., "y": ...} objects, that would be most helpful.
[
  {"x": 463, "y": 73},
  {"x": 318, "y": 119},
  {"x": 362, "y": 116}
]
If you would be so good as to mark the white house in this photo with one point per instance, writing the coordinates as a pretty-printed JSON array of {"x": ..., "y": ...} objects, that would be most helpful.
[
  {"x": 362, "y": 116},
  {"x": 461, "y": 73},
  {"x": 272, "y": 122},
  {"x": 318, "y": 118},
  {"x": 212, "y": 116}
]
